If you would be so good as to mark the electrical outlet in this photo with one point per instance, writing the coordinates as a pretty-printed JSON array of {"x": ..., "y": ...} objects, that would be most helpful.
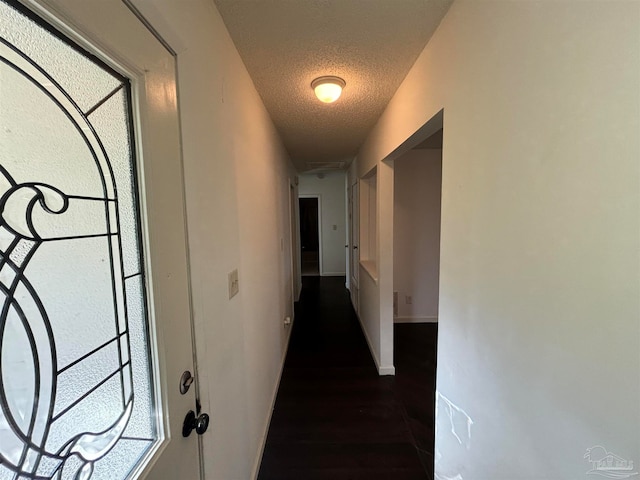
[
  {"x": 234, "y": 284},
  {"x": 408, "y": 300}
]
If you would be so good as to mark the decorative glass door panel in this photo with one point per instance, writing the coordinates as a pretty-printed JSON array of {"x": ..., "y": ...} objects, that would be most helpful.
[{"x": 76, "y": 385}]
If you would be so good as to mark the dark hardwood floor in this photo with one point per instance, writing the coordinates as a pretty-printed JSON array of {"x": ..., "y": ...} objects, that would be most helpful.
[{"x": 334, "y": 417}]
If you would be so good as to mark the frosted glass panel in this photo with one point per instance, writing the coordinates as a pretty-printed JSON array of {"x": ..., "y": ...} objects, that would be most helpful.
[
  {"x": 83, "y": 267},
  {"x": 85, "y": 376},
  {"x": 143, "y": 406},
  {"x": 77, "y": 399},
  {"x": 115, "y": 138},
  {"x": 118, "y": 466},
  {"x": 58, "y": 58}
]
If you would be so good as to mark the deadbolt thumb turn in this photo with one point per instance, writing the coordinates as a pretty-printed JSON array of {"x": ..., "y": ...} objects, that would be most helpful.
[{"x": 200, "y": 423}]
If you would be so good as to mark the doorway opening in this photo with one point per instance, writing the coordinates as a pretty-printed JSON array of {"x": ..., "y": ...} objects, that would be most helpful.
[
  {"x": 309, "y": 236},
  {"x": 416, "y": 232},
  {"x": 416, "y": 272}
]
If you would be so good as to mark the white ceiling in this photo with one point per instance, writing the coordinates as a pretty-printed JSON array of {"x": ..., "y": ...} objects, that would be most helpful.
[{"x": 371, "y": 44}]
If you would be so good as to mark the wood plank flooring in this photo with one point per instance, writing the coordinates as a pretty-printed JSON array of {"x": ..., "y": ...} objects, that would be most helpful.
[{"x": 334, "y": 417}]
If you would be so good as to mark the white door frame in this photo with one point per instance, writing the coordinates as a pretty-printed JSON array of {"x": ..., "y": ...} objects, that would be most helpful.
[
  {"x": 347, "y": 247},
  {"x": 294, "y": 232},
  {"x": 354, "y": 240}
]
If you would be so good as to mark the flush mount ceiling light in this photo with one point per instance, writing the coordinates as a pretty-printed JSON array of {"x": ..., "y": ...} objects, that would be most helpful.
[{"x": 328, "y": 89}]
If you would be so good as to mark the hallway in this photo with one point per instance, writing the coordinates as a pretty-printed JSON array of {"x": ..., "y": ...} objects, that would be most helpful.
[{"x": 334, "y": 417}]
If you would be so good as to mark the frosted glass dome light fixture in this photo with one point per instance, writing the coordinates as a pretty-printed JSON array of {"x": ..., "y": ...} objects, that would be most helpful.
[{"x": 328, "y": 89}]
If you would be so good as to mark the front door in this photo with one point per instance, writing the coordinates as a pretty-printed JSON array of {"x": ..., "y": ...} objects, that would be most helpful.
[{"x": 95, "y": 326}]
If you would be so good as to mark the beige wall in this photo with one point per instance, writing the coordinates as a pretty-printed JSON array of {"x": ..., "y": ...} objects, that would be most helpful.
[
  {"x": 539, "y": 335},
  {"x": 237, "y": 182},
  {"x": 416, "y": 234}
]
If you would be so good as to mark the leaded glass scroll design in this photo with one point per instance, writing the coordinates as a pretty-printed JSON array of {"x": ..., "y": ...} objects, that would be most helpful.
[{"x": 76, "y": 386}]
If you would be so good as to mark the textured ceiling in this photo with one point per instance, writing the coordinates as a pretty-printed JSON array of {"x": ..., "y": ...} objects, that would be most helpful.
[{"x": 371, "y": 44}]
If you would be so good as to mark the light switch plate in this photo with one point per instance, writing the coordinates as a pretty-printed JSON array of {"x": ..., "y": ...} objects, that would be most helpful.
[{"x": 234, "y": 285}]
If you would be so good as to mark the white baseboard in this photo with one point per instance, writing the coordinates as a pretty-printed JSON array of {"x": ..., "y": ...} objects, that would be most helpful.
[
  {"x": 334, "y": 274},
  {"x": 386, "y": 370},
  {"x": 263, "y": 442},
  {"x": 382, "y": 369},
  {"x": 422, "y": 319}
]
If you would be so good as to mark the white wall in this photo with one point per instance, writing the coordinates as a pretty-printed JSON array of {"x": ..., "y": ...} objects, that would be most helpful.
[
  {"x": 539, "y": 338},
  {"x": 237, "y": 185},
  {"x": 416, "y": 234},
  {"x": 375, "y": 272},
  {"x": 331, "y": 190}
]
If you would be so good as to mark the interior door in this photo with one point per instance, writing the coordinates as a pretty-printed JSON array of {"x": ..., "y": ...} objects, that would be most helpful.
[
  {"x": 95, "y": 327},
  {"x": 354, "y": 254}
]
